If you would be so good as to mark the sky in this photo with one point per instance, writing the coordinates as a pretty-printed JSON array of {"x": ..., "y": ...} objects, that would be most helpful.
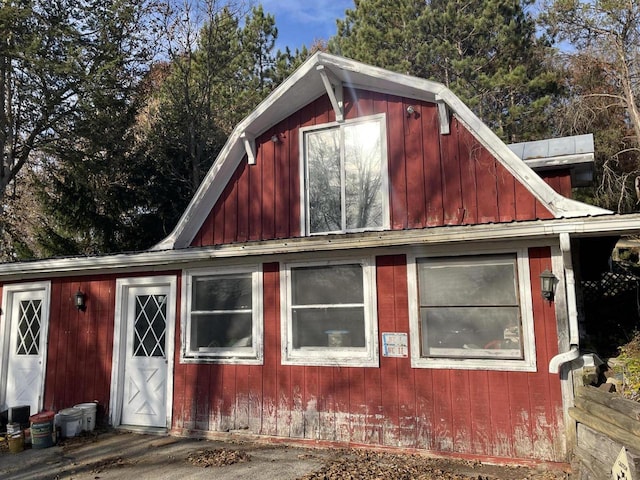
[{"x": 300, "y": 22}]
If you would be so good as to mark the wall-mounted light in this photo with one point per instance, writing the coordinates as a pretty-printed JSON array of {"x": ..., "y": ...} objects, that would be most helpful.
[
  {"x": 410, "y": 110},
  {"x": 547, "y": 284},
  {"x": 79, "y": 300},
  {"x": 275, "y": 138}
]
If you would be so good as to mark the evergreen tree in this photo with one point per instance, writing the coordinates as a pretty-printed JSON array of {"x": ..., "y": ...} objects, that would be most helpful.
[
  {"x": 41, "y": 61},
  {"x": 91, "y": 184},
  {"x": 382, "y": 33},
  {"x": 208, "y": 86},
  {"x": 68, "y": 68},
  {"x": 485, "y": 51}
]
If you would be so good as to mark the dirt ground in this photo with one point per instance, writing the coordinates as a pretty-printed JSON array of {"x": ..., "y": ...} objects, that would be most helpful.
[{"x": 115, "y": 455}]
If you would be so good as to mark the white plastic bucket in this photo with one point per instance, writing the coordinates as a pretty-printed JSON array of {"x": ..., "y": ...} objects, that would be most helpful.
[
  {"x": 88, "y": 415},
  {"x": 70, "y": 421}
]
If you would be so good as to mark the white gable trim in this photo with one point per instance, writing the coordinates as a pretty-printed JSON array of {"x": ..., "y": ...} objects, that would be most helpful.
[{"x": 305, "y": 85}]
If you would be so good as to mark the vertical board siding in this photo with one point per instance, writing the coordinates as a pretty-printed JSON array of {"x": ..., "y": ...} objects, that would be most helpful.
[
  {"x": 434, "y": 179},
  {"x": 469, "y": 412},
  {"x": 559, "y": 180},
  {"x": 80, "y": 344}
]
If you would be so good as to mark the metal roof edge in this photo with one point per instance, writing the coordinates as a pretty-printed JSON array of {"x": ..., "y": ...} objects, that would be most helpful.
[{"x": 610, "y": 224}]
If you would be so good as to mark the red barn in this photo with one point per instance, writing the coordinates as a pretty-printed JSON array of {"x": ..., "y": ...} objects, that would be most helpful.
[{"x": 361, "y": 266}]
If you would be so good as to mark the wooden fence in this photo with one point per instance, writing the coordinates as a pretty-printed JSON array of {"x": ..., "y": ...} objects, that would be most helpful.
[{"x": 606, "y": 423}]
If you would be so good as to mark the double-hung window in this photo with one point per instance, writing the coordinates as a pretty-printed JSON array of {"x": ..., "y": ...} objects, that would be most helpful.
[
  {"x": 328, "y": 313},
  {"x": 345, "y": 176},
  {"x": 472, "y": 311},
  {"x": 222, "y": 318}
]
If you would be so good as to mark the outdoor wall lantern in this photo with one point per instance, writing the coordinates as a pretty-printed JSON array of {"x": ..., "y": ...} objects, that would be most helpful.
[
  {"x": 80, "y": 297},
  {"x": 547, "y": 284},
  {"x": 410, "y": 110}
]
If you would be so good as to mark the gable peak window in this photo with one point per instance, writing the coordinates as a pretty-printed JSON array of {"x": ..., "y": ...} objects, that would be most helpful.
[{"x": 345, "y": 176}]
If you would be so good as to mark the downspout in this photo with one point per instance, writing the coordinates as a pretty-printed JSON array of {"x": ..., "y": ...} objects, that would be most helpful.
[{"x": 570, "y": 283}]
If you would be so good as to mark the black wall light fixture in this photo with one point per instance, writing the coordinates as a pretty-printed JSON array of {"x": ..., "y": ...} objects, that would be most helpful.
[
  {"x": 80, "y": 300},
  {"x": 547, "y": 284}
]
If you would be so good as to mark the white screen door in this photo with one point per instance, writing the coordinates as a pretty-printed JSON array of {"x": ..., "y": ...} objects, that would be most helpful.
[
  {"x": 27, "y": 319},
  {"x": 141, "y": 387}
]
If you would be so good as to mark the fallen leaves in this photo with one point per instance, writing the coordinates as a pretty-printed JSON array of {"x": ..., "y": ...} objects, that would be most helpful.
[
  {"x": 366, "y": 465},
  {"x": 219, "y": 457}
]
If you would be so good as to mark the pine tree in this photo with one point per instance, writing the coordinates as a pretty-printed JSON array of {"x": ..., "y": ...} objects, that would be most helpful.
[
  {"x": 486, "y": 51},
  {"x": 41, "y": 60},
  {"x": 89, "y": 183}
]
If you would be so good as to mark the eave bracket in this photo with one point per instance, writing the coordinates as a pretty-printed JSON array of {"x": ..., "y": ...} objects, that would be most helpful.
[
  {"x": 333, "y": 86},
  {"x": 250, "y": 147},
  {"x": 443, "y": 115}
]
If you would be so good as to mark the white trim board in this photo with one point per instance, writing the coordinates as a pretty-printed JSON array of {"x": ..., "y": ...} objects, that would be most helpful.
[{"x": 602, "y": 225}]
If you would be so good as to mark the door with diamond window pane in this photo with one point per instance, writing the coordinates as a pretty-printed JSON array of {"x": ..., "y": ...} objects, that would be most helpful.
[
  {"x": 144, "y": 400},
  {"x": 26, "y": 350}
]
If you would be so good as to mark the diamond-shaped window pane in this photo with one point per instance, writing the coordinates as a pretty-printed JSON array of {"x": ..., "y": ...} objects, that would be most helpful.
[
  {"x": 150, "y": 326},
  {"x": 29, "y": 314}
]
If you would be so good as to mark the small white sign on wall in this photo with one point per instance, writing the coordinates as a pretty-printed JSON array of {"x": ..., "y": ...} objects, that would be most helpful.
[
  {"x": 395, "y": 345},
  {"x": 620, "y": 469}
]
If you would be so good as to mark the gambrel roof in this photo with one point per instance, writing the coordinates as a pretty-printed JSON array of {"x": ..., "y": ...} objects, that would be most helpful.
[{"x": 329, "y": 74}]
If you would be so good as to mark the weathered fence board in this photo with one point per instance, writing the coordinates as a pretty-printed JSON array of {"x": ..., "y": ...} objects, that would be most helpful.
[
  {"x": 606, "y": 423},
  {"x": 615, "y": 402}
]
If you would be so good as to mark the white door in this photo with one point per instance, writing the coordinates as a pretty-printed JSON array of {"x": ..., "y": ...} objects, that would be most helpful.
[
  {"x": 24, "y": 356},
  {"x": 141, "y": 387},
  {"x": 145, "y": 371}
]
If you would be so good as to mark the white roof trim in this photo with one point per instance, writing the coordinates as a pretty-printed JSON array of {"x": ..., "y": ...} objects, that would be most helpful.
[
  {"x": 305, "y": 85},
  {"x": 604, "y": 225}
]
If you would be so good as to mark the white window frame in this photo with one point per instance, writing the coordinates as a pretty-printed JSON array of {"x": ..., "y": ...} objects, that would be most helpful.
[
  {"x": 253, "y": 355},
  {"x": 304, "y": 188},
  {"x": 526, "y": 364},
  {"x": 325, "y": 356}
]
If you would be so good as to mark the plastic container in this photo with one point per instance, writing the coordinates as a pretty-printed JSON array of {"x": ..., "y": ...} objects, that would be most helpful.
[
  {"x": 338, "y": 338},
  {"x": 88, "y": 415},
  {"x": 16, "y": 442},
  {"x": 70, "y": 421},
  {"x": 42, "y": 431},
  {"x": 13, "y": 428}
]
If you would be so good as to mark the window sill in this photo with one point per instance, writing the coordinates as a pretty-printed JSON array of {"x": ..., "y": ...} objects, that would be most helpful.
[
  {"x": 219, "y": 359},
  {"x": 485, "y": 353},
  {"x": 318, "y": 358},
  {"x": 500, "y": 364}
]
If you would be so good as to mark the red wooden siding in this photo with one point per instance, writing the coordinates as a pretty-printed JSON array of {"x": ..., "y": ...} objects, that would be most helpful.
[
  {"x": 80, "y": 344},
  {"x": 492, "y": 414},
  {"x": 434, "y": 179},
  {"x": 559, "y": 180}
]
